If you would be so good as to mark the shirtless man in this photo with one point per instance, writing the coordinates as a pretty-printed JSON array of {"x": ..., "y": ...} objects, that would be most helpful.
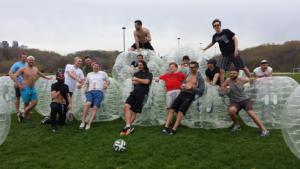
[
  {"x": 192, "y": 88},
  {"x": 142, "y": 37},
  {"x": 27, "y": 88}
]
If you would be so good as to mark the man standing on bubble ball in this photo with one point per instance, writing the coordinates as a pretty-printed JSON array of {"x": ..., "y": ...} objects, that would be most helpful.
[
  {"x": 73, "y": 74},
  {"x": 173, "y": 82},
  {"x": 142, "y": 37},
  {"x": 94, "y": 86},
  {"x": 228, "y": 44},
  {"x": 136, "y": 100},
  {"x": 27, "y": 89},
  {"x": 239, "y": 100}
]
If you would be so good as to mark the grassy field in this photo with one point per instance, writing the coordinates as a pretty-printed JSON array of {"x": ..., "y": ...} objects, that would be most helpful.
[{"x": 36, "y": 146}]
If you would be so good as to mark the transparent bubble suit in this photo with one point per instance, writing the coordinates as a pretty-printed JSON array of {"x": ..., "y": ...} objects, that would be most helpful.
[
  {"x": 209, "y": 111},
  {"x": 4, "y": 120},
  {"x": 7, "y": 92},
  {"x": 290, "y": 122},
  {"x": 122, "y": 70},
  {"x": 108, "y": 107},
  {"x": 43, "y": 90},
  {"x": 268, "y": 96}
]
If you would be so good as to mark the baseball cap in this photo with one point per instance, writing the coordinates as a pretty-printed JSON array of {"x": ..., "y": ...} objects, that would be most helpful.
[
  {"x": 212, "y": 61},
  {"x": 30, "y": 57}
]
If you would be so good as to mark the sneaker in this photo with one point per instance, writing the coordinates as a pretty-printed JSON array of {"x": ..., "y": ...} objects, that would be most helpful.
[
  {"x": 81, "y": 126},
  {"x": 54, "y": 129},
  {"x": 87, "y": 127},
  {"x": 20, "y": 117},
  {"x": 265, "y": 133},
  {"x": 29, "y": 120},
  {"x": 127, "y": 130},
  {"x": 236, "y": 128},
  {"x": 170, "y": 132},
  {"x": 123, "y": 132},
  {"x": 163, "y": 131},
  {"x": 44, "y": 120}
]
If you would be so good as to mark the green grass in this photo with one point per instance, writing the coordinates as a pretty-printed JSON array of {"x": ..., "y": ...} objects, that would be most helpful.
[{"x": 36, "y": 146}]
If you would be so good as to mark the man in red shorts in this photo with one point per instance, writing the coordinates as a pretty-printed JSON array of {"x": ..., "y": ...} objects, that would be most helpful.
[{"x": 239, "y": 100}]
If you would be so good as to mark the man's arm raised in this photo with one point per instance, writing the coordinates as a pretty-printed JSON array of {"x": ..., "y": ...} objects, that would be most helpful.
[
  {"x": 42, "y": 75},
  {"x": 208, "y": 46},
  {"x": 246, "y": 80}
]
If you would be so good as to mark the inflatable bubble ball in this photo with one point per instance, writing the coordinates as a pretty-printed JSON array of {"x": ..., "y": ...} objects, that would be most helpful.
[{"x": 4, "y": 120}]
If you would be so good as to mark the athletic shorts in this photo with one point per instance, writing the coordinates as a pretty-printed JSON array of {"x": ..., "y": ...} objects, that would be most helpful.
[
  {"x": 227, "y": 60},
  {"x": 29, "y": 93},
  {"x": 244, "y": 104},
  {"x": 95, "y": 97},
  {"x": 183, "y": 102},
  {"x": 18, "y": 93},
  {"x": 136, "y": 101},
  {"x": 146, "y": 45},
  {"x": 171, "y": 96}
]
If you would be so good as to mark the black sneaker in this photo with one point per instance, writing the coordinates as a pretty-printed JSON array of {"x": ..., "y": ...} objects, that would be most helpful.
[
  {"x": 45, "y": 120},
  {"x": 54, "y": 129},
  {"x": 29, "y": 120},
  {"x": 170, "y": 132},
  {"x": 163, "y": 130},
  {"x": 20, "y": 117}
]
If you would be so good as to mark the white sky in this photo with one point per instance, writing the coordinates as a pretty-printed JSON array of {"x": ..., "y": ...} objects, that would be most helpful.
[{"x": 66, "y": 26}]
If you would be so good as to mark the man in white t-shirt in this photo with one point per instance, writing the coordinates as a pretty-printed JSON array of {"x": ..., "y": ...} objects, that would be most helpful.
[
  {"x": 94, "y": 88},
  {"x": 73, "y": 74},
  {"x": 263, "y": 71}
]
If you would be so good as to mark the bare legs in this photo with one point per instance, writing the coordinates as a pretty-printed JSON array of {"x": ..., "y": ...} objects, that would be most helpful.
[
  {"x": 129, "y": 117},
  {"x": 28, "y": 108},
  {"x": 170, "y": 117},
  {"x": 233, "y": 116},
  {"x": 17, "y": 104},
  {"x": 132, "y": 49},
  {"x": 247, "y": 72}
]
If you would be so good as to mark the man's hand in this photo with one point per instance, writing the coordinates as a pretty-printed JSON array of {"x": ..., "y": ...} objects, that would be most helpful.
[
  {"x": 21, "y": 87},
  {"x": 49, "y": 78},
  {"x": 69, "y": 107},
  {"x": 202, "y": 49},
  {"x": 186, "y": 87},
  {"x": 15, "y": 85},
  {"x": 138, "y": 50},
  {"x": 157, "y": 79},
  {"x": 79, "y": 86},
  {"x": 105, "y": 87},
  {"x": 86, "y": 90},
  {"x": 78, "y": 80},
  {"x": 236, "y": 54},
  {"x": 225, "y": 88},
  {"x": 134, "y": 79}
]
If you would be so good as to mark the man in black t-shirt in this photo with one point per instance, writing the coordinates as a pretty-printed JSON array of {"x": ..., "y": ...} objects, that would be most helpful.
[
  {"x": 136, "y": 100},
  {"x": 228, "y": 44},
  {"x": 134, "y": 64},
  {"x": 212, "y": 72}
]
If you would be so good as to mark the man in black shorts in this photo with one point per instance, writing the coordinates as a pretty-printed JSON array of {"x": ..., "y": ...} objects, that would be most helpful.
[
  {"x": 228, "y": 44},
  {"x": 192, "y": 88},
  {"x": 134, "y": 64},
  {"x": 136, "y": 100},
  {"x": 142, "y": 37},
  {"x": 212, "y": 72}
]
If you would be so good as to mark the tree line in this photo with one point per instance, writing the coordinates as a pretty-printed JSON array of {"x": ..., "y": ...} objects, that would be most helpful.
[
  {"x": 281, "y": 58},
  {"x": 50, "y": 61}
]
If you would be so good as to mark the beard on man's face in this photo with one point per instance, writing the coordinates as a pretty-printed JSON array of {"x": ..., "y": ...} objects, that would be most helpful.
[
  {"x": 233, "y": 77},
  {"x": 61, "y": 81}
]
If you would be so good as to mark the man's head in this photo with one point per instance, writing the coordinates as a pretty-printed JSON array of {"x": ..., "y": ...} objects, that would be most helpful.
[
  {"x": 194, "y": 66},
  {"x": 138, "y": 24},
  {"x": 216, "y": 24},
  {"x": 173, "y": 67},
  {"x": 186, "y": 60},
  {"x": 211, "y": 63},
  {"x": 139, "y": 58},
  {"x": 77, "y": 61},
  {"x": 143, "y": 66},
  {"x": 88, "y": 61},
  {"x": 30, "y": 61},
  {"x": 23, "y": 57},
  {"x": 264, "y": 65},
  {"x": 234, "y": 73},
  {"x": 60, "y": 78},
  {"x": 96, "y": 67}
]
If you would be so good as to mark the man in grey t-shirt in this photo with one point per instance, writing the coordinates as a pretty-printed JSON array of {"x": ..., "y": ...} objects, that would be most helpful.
[{"x": 239, "y": 100}]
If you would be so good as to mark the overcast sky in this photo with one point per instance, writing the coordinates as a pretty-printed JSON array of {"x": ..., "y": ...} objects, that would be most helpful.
[{"x": 66, "y": 26}]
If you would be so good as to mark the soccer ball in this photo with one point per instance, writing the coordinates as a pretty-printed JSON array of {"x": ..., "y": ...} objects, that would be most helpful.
[{"x": 120, "y": 145}]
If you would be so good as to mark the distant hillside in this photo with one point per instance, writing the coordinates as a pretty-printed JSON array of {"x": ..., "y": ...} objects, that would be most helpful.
[
  {"x": 51, "y": 61},
  {"x": 283, "y": 57}
]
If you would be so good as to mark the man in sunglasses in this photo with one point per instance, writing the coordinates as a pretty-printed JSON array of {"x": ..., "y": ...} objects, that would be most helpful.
[
  {"x": 228, "y": 44},
  {"x": 192, "y": 88}
]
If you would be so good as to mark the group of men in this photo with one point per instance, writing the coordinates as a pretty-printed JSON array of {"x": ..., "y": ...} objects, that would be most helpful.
[{"x": 184, "y": 84}]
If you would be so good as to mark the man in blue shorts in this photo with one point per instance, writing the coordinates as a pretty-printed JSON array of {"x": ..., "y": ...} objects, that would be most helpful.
[
  {"x": 94, "y": 88},
  {"x": 27, "y": 88},
  {"x": 11, "y": 72}
]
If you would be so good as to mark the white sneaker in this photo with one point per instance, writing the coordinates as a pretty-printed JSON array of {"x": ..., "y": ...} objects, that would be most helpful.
[
  {"x": 81, "y": 126},
  {"x": 87, "y": 127}
]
